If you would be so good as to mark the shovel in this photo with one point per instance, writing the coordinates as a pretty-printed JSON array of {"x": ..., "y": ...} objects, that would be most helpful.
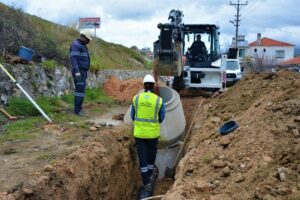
[
  {"x": 170, "y": 172},
  {"x": 10, "y": 117},
  {"x": 25, "y": 93}
]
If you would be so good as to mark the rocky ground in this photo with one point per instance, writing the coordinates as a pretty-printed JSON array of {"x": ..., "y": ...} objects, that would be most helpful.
[{"x": 259, "y": 160}]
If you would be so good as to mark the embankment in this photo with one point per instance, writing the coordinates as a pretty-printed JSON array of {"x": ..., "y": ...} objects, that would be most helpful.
[{"x": 106, "y": 168}]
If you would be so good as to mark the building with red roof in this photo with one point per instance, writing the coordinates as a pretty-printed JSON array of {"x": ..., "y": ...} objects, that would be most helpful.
[{"x": 272, "y": 50}]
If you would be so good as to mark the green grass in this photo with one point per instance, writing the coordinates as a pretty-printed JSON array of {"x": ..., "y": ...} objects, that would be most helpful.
[
  {"x": 92, "y": 95},
  {"x": 50, "y": 64},
  {"x": 21, "y": 106},
  {"x": 97, "y": 95},
  {"x": 3, "y": 119},
  {"x": 53, "y": 41},
  {"x": 20, "y": 130},
  {"x": 46, "y": 156},
  {"x": 207, "y": 159},
  {"x": 64, "y": 117},
  {"x": 1, "y": 59},
  {"x": 28, "y": 127},
  {"x": 148, "y": 64}
]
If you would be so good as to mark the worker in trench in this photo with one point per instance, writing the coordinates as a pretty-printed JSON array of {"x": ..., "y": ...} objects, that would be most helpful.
[
  {"x": 80, "y": 61},
  {"x": 147, "y": 112}
]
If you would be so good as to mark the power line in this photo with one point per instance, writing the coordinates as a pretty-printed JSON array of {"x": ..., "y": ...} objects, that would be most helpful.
[
  {"x": 238, "y": 6},
  {"x": 248, "y": 8}
]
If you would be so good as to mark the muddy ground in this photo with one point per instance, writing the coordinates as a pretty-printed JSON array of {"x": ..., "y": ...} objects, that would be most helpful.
[{"x": 259, "y": 160}]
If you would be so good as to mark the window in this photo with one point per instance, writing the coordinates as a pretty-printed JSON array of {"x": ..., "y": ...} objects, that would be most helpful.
[
  {"x": 279, "y": 54},
  {"x": 232, "y": 65},
  {"x": 242, "y": 53},
  {"x": 255, "y": 50}
]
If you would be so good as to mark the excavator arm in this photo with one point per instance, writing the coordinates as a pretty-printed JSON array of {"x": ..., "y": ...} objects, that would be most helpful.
[{"x": 168, "y": 49}]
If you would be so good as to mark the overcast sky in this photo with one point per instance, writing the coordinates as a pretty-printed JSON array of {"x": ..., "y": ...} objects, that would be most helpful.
[{"x": 134, "y": 22}]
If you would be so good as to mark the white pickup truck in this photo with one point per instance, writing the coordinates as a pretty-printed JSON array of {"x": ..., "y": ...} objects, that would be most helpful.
[{"x": 233, "y": 71}]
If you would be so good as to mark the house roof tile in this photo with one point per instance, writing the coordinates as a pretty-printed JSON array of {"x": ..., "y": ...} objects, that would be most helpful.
[
  {"x": 270, "y": 42},
  {"x": 293, "y": 61}
]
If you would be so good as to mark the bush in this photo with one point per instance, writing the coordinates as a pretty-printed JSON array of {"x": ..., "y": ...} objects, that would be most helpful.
[
  {"x": 148, "y": 64},
  {"x": 49, "y": 64}
]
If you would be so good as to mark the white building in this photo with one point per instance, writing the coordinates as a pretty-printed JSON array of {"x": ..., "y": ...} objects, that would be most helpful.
[
  {"x": 242, "y": 45},
  {"x": 271, "y": 50}
]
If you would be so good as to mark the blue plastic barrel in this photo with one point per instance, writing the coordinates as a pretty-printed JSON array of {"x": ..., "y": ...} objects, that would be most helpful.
[{"x": 25, "y": 53}]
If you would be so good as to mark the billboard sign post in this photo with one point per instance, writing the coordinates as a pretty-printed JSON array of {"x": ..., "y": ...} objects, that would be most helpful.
[{"x": 90, "y": 23}]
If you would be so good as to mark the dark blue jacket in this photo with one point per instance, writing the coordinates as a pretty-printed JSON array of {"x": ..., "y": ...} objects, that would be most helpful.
[{"x": 79, "y": 56}]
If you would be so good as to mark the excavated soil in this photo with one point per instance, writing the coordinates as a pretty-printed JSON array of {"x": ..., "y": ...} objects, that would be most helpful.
[
  {"x": 122, "y": 90},
  {"x": 100, "y": 170},
  {"x": 260, "y": 159}
]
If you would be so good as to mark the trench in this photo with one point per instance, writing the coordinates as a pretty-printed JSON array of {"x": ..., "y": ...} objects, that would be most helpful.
[
  {"x": 107, "y": 167},
  {"x": 173, "y": 130}
]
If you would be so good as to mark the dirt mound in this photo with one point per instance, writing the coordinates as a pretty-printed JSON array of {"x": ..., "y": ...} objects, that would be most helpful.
[
  {"x": 259, "y": 160},
  {"x": 122, "y": 90},
  {"x": 100, "y": 170}
]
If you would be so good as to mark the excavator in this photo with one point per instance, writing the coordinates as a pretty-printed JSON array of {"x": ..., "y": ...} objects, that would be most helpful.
[{"x": 190, "y": 66}]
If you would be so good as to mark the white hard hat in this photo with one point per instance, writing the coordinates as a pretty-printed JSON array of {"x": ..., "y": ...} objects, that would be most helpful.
[
  {"x": 87, "y": 33},
  {"x": 148, "y": 79}
]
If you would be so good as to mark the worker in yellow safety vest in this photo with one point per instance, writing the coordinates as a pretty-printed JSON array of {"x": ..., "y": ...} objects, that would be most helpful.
[{"x": 147, "y": 112}]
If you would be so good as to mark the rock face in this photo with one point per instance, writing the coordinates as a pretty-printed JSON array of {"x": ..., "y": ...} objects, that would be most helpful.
[{"x": 39, "y": 81}]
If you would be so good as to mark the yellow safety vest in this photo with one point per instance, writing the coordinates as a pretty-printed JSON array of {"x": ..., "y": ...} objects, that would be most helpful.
[{"x": 146, "y": 121}]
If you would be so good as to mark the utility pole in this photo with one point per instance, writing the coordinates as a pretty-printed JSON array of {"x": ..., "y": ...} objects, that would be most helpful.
[{"x": 237, "y": 20}]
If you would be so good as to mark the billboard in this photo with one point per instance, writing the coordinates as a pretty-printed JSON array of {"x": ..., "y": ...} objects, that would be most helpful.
[{"x": 89, "y": 22}]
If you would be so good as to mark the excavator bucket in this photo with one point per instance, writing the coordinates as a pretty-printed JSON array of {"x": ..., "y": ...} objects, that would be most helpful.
[{"x": 170, "y": 64}]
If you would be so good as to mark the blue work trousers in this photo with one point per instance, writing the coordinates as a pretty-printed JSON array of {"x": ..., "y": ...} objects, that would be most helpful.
[
  {"x": 146, "y": 150},
  {"x": 80, "y": 84}
]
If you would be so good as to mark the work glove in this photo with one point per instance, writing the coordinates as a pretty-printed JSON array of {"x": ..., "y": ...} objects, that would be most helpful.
[{"x": 77, "y": 77}]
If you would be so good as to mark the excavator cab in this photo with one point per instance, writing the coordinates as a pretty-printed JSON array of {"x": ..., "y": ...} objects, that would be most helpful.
[
  {"x": 197, "y": 52},
  {"x": 201, "y": 53},
  {"x": 192, "y": 66}
]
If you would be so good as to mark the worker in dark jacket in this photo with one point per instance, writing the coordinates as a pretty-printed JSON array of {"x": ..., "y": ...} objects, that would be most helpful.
[
  {"x": 198, "y": 48},
  {"x": 147, "y": 112},
  {"x": 80, "y": 61},
  {"x": 198, "y": 43}
]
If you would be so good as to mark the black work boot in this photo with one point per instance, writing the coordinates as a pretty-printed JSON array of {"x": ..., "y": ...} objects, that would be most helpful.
[{"x": 145, "y": 191}]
